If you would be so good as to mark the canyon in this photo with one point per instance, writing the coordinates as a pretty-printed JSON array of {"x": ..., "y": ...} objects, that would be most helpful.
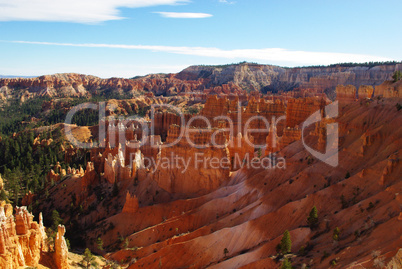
[
  {"x": 162, "y": 216},
  {"x": 216, "y": 183}
]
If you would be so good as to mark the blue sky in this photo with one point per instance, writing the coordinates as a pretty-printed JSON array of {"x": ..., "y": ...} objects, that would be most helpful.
[{"x": 125, "y": 38}]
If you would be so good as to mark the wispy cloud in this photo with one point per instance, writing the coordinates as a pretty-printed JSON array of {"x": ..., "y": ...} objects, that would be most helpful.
[
  {"x": 183, "y": 15},
  {"x": 227, "y": 2},
  {"x": 293, "y": 57},
  {"x": 78, "y": 11}
]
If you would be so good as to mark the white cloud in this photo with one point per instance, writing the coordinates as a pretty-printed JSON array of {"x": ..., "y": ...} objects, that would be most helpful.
[
  {"x": 79, "y": 11},
  {"x": 182, "y": 15},
  {"x": 289, "y": 57},
  {"x": 227, "y": 2}
]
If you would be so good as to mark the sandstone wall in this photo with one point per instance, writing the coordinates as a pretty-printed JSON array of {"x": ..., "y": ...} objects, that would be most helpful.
[
  {"x": 365, "y": 92},
  {"x": 197, "y": 175},
  {"x": 298, "y": 110},
  {"x": 22, "y": 240},
  {"x": 131, "y": 205},
  {"x": 346, "y": 93},
  {"x": 273, "y": 78},
  {"x": 389, "y": 89}
]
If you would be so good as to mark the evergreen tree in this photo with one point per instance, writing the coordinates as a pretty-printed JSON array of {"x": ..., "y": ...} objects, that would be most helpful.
[
  {"x": 225, "y": 252},
  {"x": 99, "y": 243},
  {"x": 3, "y": 195},
  {"x": 56, "y": 220},
  {"x": 88, "y": 260},
  {"x": 286, "y": 264},
  {"x": 286, "y": 243},
  {"x": 397, "y": 76},
  {"x": 312, "y": 219}
]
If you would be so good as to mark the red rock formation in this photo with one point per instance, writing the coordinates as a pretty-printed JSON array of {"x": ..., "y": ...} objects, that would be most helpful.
[
  {"x": 194, "y": 175},
  {"x": 150, "y": 149},
  {"x": 21, "y": 241},
  {"x": 240, "y": 148},
  {"x": 27, "y": 199},
  {"x": 52, "y": 176},
  {"x": 388, "y": 89},
  {"x": 162, "y": 121},
  {"x": 256, "y": 77},
  {"x": 298, "y": 110},
  {"x": 392, "y": 165},
  {"x": 89, "y": 177},
  {"x": 345, "y": 94},
  {"x": 215, "y": 106},
  {"x": 61, "y": 250},
  {"x": 272, "y": 140},
  {"x": 235, "y": 217},
  {"x": 63, "y": 85},
  {"x": 365, "y": 92},
  {"x": 115, "y": 168},
  {"x": 233, "y": 210},
  {"x": 131, "y": 205},
  {"x": 289, "y": 136}
]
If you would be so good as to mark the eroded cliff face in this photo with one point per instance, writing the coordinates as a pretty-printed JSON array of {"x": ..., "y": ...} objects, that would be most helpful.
[
  {"x": 230, "y": 79},
  {"x": 273, "y": 78},
  {"x": 23, "y": 242},
  {"x": 185, "y": 170},
  {"x": 77, "y": 85},
  {"x": 389, "y": 89}
]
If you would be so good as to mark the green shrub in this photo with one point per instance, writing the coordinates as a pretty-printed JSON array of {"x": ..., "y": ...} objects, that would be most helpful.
[
  {"x": 286, "y": 264},
  {"x": 336, "y": 233},
  {"x": 397, "y": 76},
  {"x": 286, "y": 243},
  {"x": 312, "y": 219}
]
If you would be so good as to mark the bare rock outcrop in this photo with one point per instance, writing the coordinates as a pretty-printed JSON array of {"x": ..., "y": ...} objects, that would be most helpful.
[
  {"x": 365, "y": 92},
  {"x": 346, "y": 93},
  {"x": 131, "y": 205},
  {"x": 392, "y": 165},
  {"x": 298, "y": 110},
  {"x": 27, "y": 199},
  {"x": 22, "y": 241},
  {"x": 61, "y": 250},
  {"x": 184, "y": 169},
  {"x": 266, "y": 78},
  {"x": 77, "y": 85},
  {"x": 389, "y": 89},
  {"x": 229, "y": 79}
]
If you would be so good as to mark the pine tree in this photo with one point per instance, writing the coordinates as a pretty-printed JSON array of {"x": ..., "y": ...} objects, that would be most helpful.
[
  {"x": 312, "y": 219},
  {"x": 397, "y": 76},
  {"x": 225, "y": 251},
  {"x": 3, "y": 195},
  {"x": 286, "y": 264},
  {"x": 88, "y": 259},
  {"x": 56, "y": 220},
  {"x": 286, "y": 243},
  {"x": 99, "y": 243}
]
